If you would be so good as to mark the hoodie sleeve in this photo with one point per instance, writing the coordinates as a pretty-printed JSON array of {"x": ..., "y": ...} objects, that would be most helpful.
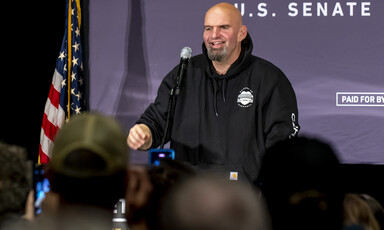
[
  {"x": 281, "y": 113},
  {"x": 156, "y": 114}
]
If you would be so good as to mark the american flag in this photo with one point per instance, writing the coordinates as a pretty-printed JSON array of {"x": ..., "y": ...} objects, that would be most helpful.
[{"x": 66, "y": 95}]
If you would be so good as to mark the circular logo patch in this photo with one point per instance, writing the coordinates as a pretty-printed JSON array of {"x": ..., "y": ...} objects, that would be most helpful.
[{"x": 245, "y": 98}]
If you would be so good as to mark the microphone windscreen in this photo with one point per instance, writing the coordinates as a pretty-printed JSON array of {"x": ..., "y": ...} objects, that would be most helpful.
[{"x": 186, "y": 53}]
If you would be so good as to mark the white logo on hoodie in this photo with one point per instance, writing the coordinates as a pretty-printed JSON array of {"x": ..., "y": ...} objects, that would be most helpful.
[{"x": 245, "y": 98}]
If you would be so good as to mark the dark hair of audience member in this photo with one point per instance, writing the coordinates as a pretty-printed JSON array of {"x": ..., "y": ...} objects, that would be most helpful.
[
  {"x": 212, "y": 202},
  {"x": 300, "y": 179},
  {"x": 164, "y": 177},
  {"x": 15, "y": 184}
]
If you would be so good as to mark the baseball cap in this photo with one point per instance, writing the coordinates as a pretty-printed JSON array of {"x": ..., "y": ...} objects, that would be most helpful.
[{"x": 100, "y": 136}]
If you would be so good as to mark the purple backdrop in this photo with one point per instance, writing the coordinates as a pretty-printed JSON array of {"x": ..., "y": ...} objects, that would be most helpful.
[{"x": 332, "y": 52}]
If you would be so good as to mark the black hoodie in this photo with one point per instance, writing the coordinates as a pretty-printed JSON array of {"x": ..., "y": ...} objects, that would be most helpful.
[{"x": 226, "y": 121}]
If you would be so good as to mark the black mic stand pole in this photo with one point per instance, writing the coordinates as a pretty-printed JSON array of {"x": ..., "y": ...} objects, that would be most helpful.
[{"x": 172, "y": 102}]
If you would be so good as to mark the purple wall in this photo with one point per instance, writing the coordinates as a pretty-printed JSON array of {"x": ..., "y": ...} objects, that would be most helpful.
[{"x": 334, "y": 59}]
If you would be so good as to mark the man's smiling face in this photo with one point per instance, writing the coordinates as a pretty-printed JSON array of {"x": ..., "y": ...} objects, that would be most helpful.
[{"x": 222, "y": 34}]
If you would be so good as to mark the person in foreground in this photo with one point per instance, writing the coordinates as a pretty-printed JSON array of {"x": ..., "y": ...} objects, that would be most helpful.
[
  {"x": 358, "y": 214},
  {"x": 88, "y": 172},
  {"x": 210, "y": 202},
  {"x": 145, "y": 200},
  {"x": 232, "y": 107},
  {"x": 301, "y": 182},
  {"x": 16, "y": 193}
]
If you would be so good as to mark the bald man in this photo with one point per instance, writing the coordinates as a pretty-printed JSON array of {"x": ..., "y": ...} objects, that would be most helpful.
[{"x": 232, "y": 108}]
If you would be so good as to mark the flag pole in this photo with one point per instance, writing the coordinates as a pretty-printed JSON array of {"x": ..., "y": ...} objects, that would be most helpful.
[{"x": 69, "y": 46}]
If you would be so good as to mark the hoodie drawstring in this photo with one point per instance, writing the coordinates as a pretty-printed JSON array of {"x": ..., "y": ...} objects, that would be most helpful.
[
  {"x": 219, "y": 85},
  {"x": 224, "y": 89}
]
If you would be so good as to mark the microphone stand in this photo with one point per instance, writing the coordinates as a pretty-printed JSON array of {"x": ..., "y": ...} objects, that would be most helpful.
[{"x": 172, "y": 101}]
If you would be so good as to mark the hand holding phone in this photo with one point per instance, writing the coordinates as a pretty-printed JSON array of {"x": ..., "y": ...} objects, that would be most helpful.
[{"x": 41, "y": 187}]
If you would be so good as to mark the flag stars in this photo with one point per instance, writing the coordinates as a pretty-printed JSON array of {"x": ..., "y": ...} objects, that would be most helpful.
[
  {"x": 77, "y": 32},
  {"x": 74, "y": 61},
  {"x": 73, "y": 76},
  {"x": 77, "y": 110},
  {"x": 71, "y": 106},
  {"x": 79, "y": 96},
  {"x": 81, "y": 81},
  {"x": 76, "y": 46},
  {"x": 62, "y": 56},
  {"x": 63, "y": 83}
]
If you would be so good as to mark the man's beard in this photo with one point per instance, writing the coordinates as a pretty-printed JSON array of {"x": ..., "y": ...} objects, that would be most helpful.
[{"x": 217, "y": 54}]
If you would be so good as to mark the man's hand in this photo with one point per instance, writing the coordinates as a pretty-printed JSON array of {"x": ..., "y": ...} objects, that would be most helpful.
[
  {"x": 29, "y": 207},
  {"x": 140, "y": 137}
]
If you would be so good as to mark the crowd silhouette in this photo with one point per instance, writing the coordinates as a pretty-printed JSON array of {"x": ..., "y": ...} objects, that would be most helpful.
[{"x": 298, "y": 188}]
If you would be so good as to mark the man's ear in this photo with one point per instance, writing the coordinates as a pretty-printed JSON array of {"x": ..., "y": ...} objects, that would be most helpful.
[{"x": 243, "y": 32}]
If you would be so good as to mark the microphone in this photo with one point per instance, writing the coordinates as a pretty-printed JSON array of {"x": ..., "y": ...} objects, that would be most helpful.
[{"x": 185, "y": 55}]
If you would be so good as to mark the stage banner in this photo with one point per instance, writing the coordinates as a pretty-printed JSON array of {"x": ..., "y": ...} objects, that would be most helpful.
[{"x": 331, "y": 51}]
